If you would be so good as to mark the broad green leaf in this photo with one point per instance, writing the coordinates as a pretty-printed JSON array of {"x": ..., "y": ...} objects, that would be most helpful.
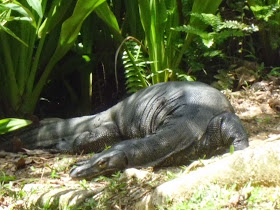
[
  {"x": 69, "y": 32},
  {"x": 104, "y": 12},
  {"x": 6, "y": 178},
  {"x": 7, "y": 30},
  {"x": 20, "y": 9},
  {"x": 153, "y": 16},
  {"x": 55, "y": 15},
  {"x": 206, "y": 6},
  {"x": 132, "y": 21},
  {"x": 15, "y": 7},
  {"x": 71, "y": 27},
  {"x": 11, "y": 124},
  {"x": 161, "y": 15},
  {"x": 36, "y": 5},
  {"x": 145, "y": 15}
]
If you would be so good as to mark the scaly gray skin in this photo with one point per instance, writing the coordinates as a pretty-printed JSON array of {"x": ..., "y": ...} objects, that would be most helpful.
[{"x": 162, "y": 125}]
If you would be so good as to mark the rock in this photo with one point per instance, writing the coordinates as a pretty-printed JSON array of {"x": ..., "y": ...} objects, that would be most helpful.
[
  {"x": 133, "y": 173},
  {"x": 234, "y": 200},
  {"x": 144, "y": 204},
  {"x": 57, "y": 197},
  {"x": 259, "y": 165}
]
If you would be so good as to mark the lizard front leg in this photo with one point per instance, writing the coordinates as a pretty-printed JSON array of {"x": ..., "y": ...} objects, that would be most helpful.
[
  {"x": 91, "y": 141},
  {"x": 148, "y": 151}
]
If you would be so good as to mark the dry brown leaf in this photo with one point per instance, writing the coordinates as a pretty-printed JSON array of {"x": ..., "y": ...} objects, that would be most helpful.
[{"x": 20, "y": 163}]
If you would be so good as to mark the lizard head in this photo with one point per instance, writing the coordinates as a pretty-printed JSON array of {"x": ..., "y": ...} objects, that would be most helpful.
[
  {"x": 233, "y": 132},
  {"x": 104, "y": 163},
  {"x": 226, "y": 132}
]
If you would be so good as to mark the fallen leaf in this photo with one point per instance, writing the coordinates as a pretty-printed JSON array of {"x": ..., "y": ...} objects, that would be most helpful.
[{"x": 20, "y": 163}]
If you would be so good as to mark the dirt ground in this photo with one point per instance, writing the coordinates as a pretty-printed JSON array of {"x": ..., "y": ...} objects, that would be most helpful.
[
  {"x": 259, "y": 109},
  {"x": 257, "y": 106}
]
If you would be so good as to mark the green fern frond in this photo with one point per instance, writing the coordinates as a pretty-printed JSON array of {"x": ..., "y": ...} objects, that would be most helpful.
[
  {"x": 225, "y": 34},
  {"x": 233, "y": 24},
  {"x": 225, "y": 80},
  {"x": 206, "y": 37},
  {"x": 221, "y": 30},
  {"x": 181, "y": 76},
  {"x": 263, "y": 12},
  {"x": 217, "y": 24},
  {"x": 209, "y": 19},
  {"x": 190, "y": 29},
  {"x": 135, "y": 66}
]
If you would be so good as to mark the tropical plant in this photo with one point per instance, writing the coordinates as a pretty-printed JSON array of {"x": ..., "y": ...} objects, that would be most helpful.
[
  {"x": 209, "y": 42},
  {"x": 267, "y": 13},
  {"x": 11, "y": 124},
  {"x": 221, "y": 30},
  {"x": 135, "y": 65},
  {"x": 5, "y": 16},
  {"x": 165, "y": 45},
  {"x": 48, "y": 33}
]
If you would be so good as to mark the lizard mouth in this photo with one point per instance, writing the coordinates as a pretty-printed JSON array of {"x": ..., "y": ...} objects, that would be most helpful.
[
  {"x": 82, "y": 172},
  {"x": 105, "y": 163},
  {"x": 86, "y": 172}
]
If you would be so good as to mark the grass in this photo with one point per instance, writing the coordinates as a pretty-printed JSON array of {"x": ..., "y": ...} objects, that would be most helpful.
[{"x": 228, "y": 197}]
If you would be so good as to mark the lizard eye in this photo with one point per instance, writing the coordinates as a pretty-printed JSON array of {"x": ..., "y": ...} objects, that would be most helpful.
[{"x": 102, "y": 163}]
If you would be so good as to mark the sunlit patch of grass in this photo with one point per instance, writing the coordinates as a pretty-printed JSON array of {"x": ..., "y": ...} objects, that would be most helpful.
[
  {"x": 11, "y": 197},
  {"x": 217, "y": 197}
]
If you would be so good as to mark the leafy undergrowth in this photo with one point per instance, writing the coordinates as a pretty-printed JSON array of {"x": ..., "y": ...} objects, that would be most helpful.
[{"x": 259, "y": 111}]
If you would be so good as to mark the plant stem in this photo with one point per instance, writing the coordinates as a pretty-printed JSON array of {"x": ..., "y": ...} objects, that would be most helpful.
[
  {"x": 32, "y": 98},
  {"x": 12, "y": 88},
  {"x": 183, "y": 50},
  {"x": 35, "y": 64}
]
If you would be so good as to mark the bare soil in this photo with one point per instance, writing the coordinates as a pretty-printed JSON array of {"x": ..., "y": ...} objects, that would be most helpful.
[{"x": 259, "y": 109}]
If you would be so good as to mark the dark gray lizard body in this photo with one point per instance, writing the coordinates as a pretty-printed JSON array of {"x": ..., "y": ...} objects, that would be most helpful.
[{"x": 165, "y": 124}]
